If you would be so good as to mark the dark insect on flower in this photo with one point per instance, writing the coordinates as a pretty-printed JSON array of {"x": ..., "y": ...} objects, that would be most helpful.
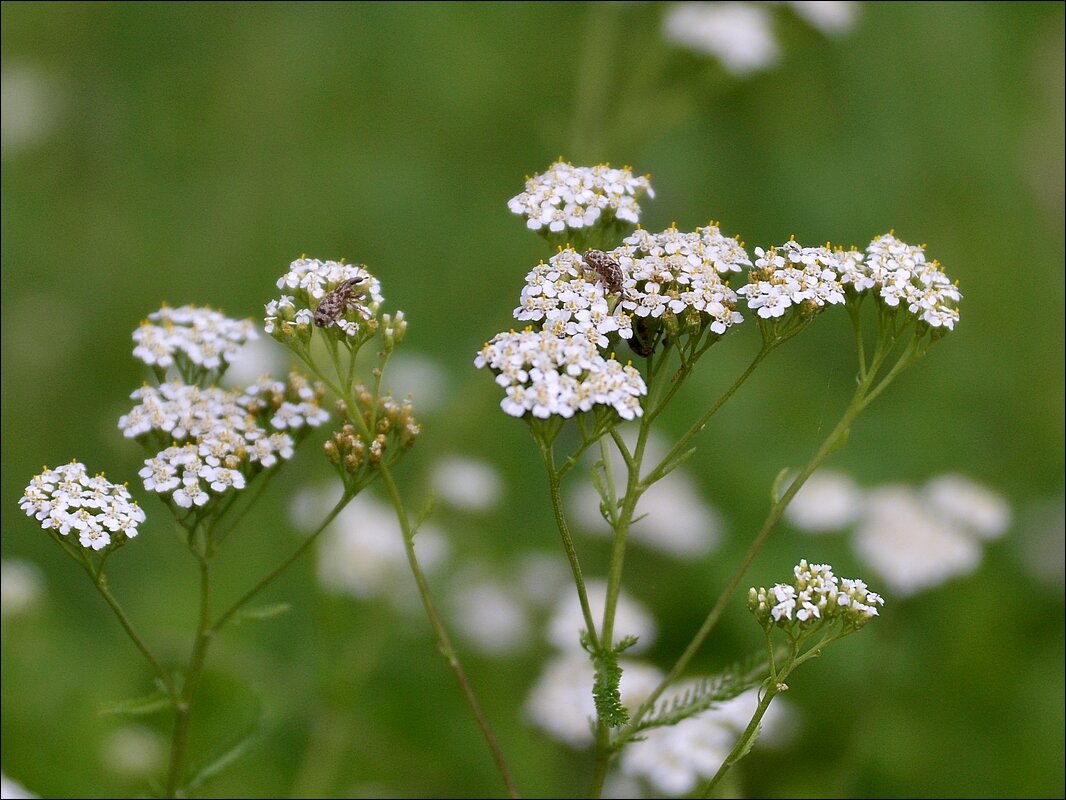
[
  {"x": 645, "y": 337},
  {"x": 334, "y": 305},
  {"x": 606, "y": 268}
]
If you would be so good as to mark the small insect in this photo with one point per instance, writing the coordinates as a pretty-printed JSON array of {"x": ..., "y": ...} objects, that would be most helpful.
[
  {"x": 607, "y": 269},
  {"x": 334, "y": 305}
]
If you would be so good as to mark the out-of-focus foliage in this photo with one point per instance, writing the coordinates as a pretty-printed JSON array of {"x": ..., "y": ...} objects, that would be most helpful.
[{"x": 187, "y": 153}]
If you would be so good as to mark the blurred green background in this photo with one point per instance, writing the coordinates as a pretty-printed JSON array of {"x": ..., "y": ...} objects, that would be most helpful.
[{"x": 188, "y": 152}]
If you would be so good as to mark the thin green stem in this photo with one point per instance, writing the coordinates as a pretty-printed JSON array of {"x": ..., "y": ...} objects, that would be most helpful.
[
  {"x": 698, "y": 425},
  {"x": 548, "y": 456},
  {"x": 100, "y": 582},
  {"x": 284, "y": 565},
  {"x": 444, "y": 642},
  {"x": 833, "y": 441},
  {"x": 193, "y": 673},
  {"x": 744, "y": 742}
]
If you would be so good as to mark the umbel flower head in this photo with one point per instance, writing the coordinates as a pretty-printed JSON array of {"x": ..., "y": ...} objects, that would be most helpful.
[
  {"x": 565, "y": 198},
  {"x": 810, "y": 278},
  {"x": 190, "y": 337},
  {"x": 67, "y": 499},
  {"x": 218, "y": 438},
  {"x": 815, "y": 597},
  {"x": 388, "y": 429},
  {"x": 546, "y": 375},
  {"x": 332, "y": 295}
]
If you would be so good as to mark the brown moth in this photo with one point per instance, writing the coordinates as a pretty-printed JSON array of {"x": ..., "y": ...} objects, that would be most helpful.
[
  {"x": 607, "y": 269},
  {"x": 334, "y": 305}
]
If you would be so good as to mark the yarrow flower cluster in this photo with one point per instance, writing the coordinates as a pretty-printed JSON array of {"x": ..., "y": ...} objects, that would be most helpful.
[
  {"x": 566, "y": 197},
  {"x": 547, "y": 375},
  {"x": 789, "y": 275},
  {"x": 681, "y": 272},
  {"x": 310, "y": 281},
  {"x": 903, "y": 277},
  {"x": 68, "y": 499},
  {"x": 792, "y": 275},
  {"x": 816, "y": 595},
  {"x": 201, "y": 335},
  {"x": 218, "y": 437}
]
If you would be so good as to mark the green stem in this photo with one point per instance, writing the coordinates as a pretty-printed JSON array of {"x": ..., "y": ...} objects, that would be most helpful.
[
  {"x": 832, "y": 443},
  {"x": 548, "y": 456},
  {"x": 193, "y": 673},
  {"x": 444, "y": 642},
  {"x": 100, "y": 582},
  {"x": 744, "y": 742},
  {"x": 699, "y": 424},
  {"x": 284, "y": 565}
]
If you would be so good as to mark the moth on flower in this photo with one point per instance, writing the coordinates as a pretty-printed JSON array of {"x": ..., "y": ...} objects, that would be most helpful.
[
  {"x": 337, "y": 302},
  {"x": 607, "y": 268}
]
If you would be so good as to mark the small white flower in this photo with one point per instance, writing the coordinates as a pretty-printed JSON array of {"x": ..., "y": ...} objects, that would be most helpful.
[
  {"x": 546, "y": 375},
  {"x": 203, "y": 336},
  {"x": 568, "y": 198},
  {"x": 68, "y": 499}
]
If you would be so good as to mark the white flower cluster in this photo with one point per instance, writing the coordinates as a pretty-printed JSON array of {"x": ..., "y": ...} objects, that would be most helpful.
[
  {"x": 792, "y": 275},
  {"x": 681, "y": 271},
  {"x": 566, "y": 197},
  {"x": 68, "y": 499},
  {"x": 219, "y": 437},
  {"x": 545, "y": 375},
  {"x": 202, "y": 335},
  {"x": 571, "y": 300},
  {"x": 904, "y": 277},
  {"x": 309, "y": 280},
  {"x": 815, "y": 595}
]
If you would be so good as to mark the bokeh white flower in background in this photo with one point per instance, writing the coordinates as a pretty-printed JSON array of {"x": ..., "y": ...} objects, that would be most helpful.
[
  {"x": 420, "y": 376},
  {"x": 490, "y": 615},
  {"x": 134, "y": 750},
  {"x": 13, "y": 790},
  {"x": 561, "y": 701},
  {"x": 30, "y": 107},
  {"x": 542, "y": 577},
  {"x": 21, "y": 586},
  {"x": 913, "y": 538},
  {"x": 362, "y": 552},
  {"x": 831, "y": 17},
  {"x": 679, "y": 521},
  {"x": 675, "y": 759},
  {"x": 909, "y": 545},
  {"x": 828, "y": 501},
  {"x": 1042, "y": 545},
  {"x": 969, "y": 505},
  {"x": 739, "y": 35},
  {"x": 631, "y": 619},
  {"x": 466, "y": 483},
  {"x": 258, "y": 357}
]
